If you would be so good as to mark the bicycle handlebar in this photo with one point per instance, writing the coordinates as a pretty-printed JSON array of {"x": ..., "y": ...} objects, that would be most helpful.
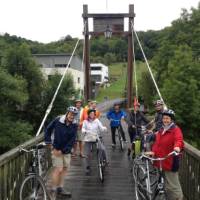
[
  {"x": 160, "y": 159},
  {"x": 38, "y": 146}
]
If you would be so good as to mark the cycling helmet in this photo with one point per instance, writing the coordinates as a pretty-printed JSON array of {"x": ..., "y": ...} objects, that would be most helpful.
[
  {"x": 72, "y": 109},
  {"x": 158, "y": 102},
  {"x": 91, "y": 110},
  {"x": 169, "y": 113},
  {"x": 117, "y": 104}
]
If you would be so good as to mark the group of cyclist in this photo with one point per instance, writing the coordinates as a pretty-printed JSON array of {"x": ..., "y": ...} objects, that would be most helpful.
[{"x": 82, "y": 125}]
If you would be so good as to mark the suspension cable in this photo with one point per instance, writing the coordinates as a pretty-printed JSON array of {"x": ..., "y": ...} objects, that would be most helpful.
[
  {"x": 150, "y": 71},
  {"x": 56, "y": 92}
]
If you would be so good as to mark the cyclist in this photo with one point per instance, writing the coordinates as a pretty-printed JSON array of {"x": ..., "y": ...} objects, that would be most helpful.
[
  {"x": 64, "y": 138},
  {"x": 78, "y": 105},
  {"x": 168, "y": 139},
  {"x": 94, "y": 106},
  {"x": 91, "y": 127},
  {"x": 159, "y": 106},
  {"x": 115, "y": 116},
  {"x": 91, "y": 105},
  {"x": 135, "y": 119}
]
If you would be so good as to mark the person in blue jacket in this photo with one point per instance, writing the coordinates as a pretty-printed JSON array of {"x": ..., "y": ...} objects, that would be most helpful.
[
  {"x": 64, "y": 130},
  {"x": 115, "y": 116}
]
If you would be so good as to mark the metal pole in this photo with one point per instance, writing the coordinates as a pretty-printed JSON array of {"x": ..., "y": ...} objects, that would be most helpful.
[
  {"x": 87, "y": 55},
  {"x": 130, "y": 60}
]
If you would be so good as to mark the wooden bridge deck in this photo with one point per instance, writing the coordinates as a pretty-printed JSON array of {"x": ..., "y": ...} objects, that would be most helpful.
[{"x": 118, "y": 183}]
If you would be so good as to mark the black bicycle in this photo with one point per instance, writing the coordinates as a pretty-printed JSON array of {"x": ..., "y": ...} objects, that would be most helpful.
[
  {"x": 101, "y": 158},
  {"x": 33, "y": 186},
  {"x": 119, "y": 135},
  {"x": 149, "y": 181}
]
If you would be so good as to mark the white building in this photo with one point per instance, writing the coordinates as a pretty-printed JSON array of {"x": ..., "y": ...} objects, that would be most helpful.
[
  {"x": 99, "y": 73},
  {"x": 56, "y": 63}
]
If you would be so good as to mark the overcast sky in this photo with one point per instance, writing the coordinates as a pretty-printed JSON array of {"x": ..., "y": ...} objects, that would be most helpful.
[{"x": 49, "y": 20}]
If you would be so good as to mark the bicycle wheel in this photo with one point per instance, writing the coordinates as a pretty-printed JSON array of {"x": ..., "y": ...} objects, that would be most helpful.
[
  {"x": 161, "y": 196},
  {"x": 101, "y": 169},
  {"x": 33, "y": 188}
]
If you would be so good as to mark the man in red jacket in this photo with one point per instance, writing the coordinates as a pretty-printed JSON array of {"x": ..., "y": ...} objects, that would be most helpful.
[{"x": 168, "y": 139}]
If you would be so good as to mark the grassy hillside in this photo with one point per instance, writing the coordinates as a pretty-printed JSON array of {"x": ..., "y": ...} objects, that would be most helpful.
[{"x": 118, "y": 79}]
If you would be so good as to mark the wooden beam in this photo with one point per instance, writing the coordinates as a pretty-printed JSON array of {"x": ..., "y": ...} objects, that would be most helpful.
[
  {"x": 108, "y": 15},
  {"x": 130, "y": 61},
  {"x": 87, "y": 88}
]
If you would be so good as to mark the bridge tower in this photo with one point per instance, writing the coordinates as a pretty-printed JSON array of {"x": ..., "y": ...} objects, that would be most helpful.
[{"x": 108, "y": 24}]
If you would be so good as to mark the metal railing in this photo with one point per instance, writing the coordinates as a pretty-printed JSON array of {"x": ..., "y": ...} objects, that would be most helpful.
[
  {"x": 13, "y": 168},
  {"x": 190, "y": 172}
]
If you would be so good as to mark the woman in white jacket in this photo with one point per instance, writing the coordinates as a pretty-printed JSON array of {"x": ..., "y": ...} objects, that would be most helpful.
[{"x": 91, "y": 129}]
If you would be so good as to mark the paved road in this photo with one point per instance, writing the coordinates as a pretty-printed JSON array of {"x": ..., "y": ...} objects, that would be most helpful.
[{"x": 118, "y": 183}]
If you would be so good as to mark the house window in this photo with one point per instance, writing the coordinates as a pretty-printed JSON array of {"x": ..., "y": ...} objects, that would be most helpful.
[
  {"x": 95, "y": 68},
  {"x": 61, "y": 65},
  {"x": 79, "y": 80}
]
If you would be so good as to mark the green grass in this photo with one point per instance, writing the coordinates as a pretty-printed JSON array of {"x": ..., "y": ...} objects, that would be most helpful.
[{"x": 118, "y": 76}]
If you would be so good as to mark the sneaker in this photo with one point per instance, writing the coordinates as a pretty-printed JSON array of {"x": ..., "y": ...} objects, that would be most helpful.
[
  {"x": 82, "y": 156},
  {"x": 113, "y": 145},
  {"x": 61, "y": 192}
]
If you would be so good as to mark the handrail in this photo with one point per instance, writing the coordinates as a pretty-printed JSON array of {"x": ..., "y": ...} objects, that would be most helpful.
[
  {"x": 190, "y": 172},
  {"x": 13, "y": 168}
]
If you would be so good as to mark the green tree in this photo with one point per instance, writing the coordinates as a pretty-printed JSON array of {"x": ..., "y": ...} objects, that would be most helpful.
[
  {"x": 181, "y": 89},
  {"x": 19, "y": 62},
  {"x": 64, "y": 97}
]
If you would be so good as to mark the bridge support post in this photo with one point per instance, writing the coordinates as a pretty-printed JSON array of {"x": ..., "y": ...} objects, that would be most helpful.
[
  {"x": 130, "y": 59},
  {"x": 87, "y": 88}
]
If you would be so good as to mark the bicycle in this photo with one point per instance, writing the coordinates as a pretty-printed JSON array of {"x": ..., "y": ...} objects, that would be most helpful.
[
  {"x": 149, "y": 181},
  {"x": 101, "y": 158},
  {"x": 33, "y": 186},
  {"x": 119, "y": 134}
]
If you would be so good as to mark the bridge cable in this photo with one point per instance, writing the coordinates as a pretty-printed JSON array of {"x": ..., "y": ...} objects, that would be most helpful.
[
  {"x": 56, "y": 92},
  {"x": 150, "y": 71},
  {"x": 135, "y": 79}
]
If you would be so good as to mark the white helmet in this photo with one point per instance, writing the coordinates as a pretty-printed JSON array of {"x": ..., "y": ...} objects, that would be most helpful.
[{"x": 72, "y": 109}]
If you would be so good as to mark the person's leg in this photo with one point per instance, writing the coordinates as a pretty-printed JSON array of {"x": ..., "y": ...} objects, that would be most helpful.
[
  {"x": 66, "y": 165},
  {"x": 75, "y": 149},
  {"x": 87, "y": 152},
  {"x": 56, "y": 173},
  {"x": 113, "y": 129},
  {"x": 172, "y": 186},
  {"x": 122, "y": 132},
  {"x": 81, "y": 148}
]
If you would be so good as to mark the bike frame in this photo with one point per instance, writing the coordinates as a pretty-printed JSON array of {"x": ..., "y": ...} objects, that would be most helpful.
[{"x": 161, "y": 181}]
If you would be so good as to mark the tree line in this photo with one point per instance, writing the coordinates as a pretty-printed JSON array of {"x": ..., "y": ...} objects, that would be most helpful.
[
  {"x": 25, "y": 95},
  {"x": 173, "y": 53}
]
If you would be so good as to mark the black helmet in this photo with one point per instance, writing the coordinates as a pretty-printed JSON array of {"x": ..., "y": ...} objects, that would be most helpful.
[
  {"x": 169, "y": 113},
  {"x": 91, "y": 110},
  {"x": 72, "y": 109}
]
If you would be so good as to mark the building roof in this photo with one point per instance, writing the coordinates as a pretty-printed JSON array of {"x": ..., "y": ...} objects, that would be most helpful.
[{"x": 52, "y": 60}]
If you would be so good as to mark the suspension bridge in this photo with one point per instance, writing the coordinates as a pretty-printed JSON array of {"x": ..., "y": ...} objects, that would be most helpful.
[{"x": 118, "y": 182}]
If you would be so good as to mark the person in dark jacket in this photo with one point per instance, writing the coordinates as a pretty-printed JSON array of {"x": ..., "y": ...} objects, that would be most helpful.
[
  {"x": 135, "y": 119},
  {"x": 115, "y": 116},
  {"x": 64, "y": 131},
  {"x": 169, "y": 138},
  {"x": 159, "y": 106}
]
